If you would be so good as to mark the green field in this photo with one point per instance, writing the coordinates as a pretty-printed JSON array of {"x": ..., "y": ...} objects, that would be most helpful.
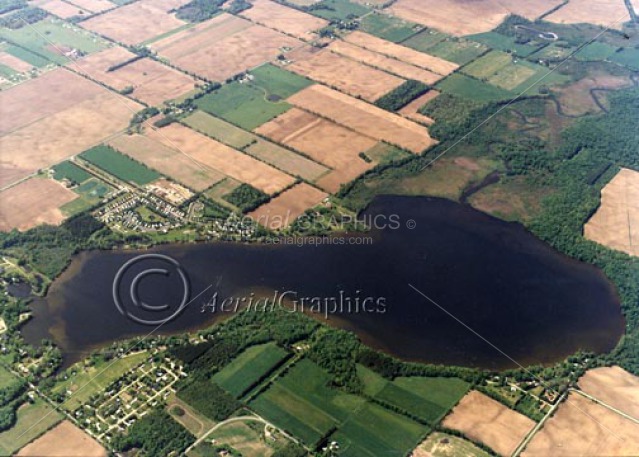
[
  {"x": 91, "y": 192},
  {"x": 26, "y": 56},
  {"x": 384, "y": 152},
  {"x": 39, "y": 36},
  {"x": 33, "y": 420},
  {"x": 341, "y": 10},
  {"x": 244, "y": 105},
  {"x": 553, "y": 52},
  {"x": 249, "y": 368},
  {"x": 488, "y": 65},
  {"x": 426, "y": 39},
  {"x": 458, "y": 50},
  {"x": 301, "y": 403},
  {"x": 389, "y": 27},
  {"x": 277, "y": 83},
  {"x": 69, "y": 170},
  {"x": 220, "y": 130},
  {"x": 6, "y": 378},
  {"x": 473, "y": 89},
  {"x": 443, "y": 392},
  {"x": 627, "y": 57},
  {"x": 501, "y": 42},
  {"x": 120, "y": 166},
  {"x": 595, "y": 51},
  {"x": 374, "y": 431},
  {"x": 89, "y": 381}
]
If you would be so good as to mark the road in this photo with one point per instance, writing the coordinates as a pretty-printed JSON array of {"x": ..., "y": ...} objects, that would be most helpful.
[{"x": 537, "y": 427}]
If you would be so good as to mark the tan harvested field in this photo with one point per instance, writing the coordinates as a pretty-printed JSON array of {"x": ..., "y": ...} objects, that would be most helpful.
[
  {"x": 325, "y": 142},
  {"x": 287, "y": 161},
  {"x": 363, "y": 118},
  {"x": 64, "y": 440},
  {"x": 411, "y": 111},
  {"x": 223, "y": 47},
  {"x": 289, "y": 205},
  {"x": 136, "y": 22},
  {"x": 153, "y": 82},
  {"x": 399, "y": 52},
  {"x": 374, "y": 59},
  {"x": 223, "y": 188},
  {"x": 349, "y": 76},
  {"x": 33, "y": 202},
  {"x": 608, "y": 13},
  {"x": 486, "y": 420},
  {"x": 284, "y": 19},
  {"x": 576, "y": 99},
  {"x": 14, "y": 63},
  {"x": 584, "y": 428},
  {"x": 614, "y": 386},
  {"x": 225, "y": 159},
  {"x": 616, "y": 222},
  {"x": 53, "y": 117},
  {"x": 466, "y": 17},
  {"x": 60, "y": 8},
  {"x": 95, "y": 6},
  {"x": 149, "y": 150},
  {"x": 303, "y": 2}
]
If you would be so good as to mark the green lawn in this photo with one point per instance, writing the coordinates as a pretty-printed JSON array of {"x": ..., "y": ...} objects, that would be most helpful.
[
  {"x": 341, "y": 10},
  {"x": 501, "y": 42},
  {"x": 244, "y": 105},
  {"x": 220, "y": 130},
  {"x": 374, "y": 431},
  {"x": 39, "y": 36},
  {"x": 32, "y": 421},
  {"x": 278, "y": 83},
  {"x": 92, "y": 380},
  {"x": 6, "y": 378},
  {"x": 69, "y": 170},
  {"x": 119, "y": 165},
  {"x": 249, "y": 367},
  {"x": 389, "y": 27},
  {"x": 473, "y": 89}
]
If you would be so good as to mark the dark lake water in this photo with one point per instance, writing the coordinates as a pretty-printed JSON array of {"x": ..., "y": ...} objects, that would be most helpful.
[{"x": 533, "y": 303}]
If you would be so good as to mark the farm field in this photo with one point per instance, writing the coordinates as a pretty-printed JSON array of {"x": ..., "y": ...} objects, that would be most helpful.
[
  {"x": 33, "y": 419},
  {"x": 627, "y": 57},
  {"x": 585, "y": 428},
  {"x": 411, "y": 111},
  {"x": 443, "y": 445},
  {"x": 576, "y": 99},
  {"x": 244, "y": 105},
  {"x": 22, "y": 206},
  {"x": 77, "y": 115},
  {"x": 595, "y": 51},
  {"x": 324, "y": 141},
  {"x": 606, "y": 13},
  {"x": 452, "y": 49},
  {"x": 219, "y": 130},
  {"x": 485, "y": 420},
  {"x": 382, "y": 62},
  {"x": 64, "y": 440},
  {"x": 287, "y": 161},
  {"x": 60, "y": 8},
  {"x": 224, "y": 187},
  {"x": 149, "y": 150},
  {"x": 137, "y": 22},
  {"x": 95, "y": 6},
  {"x": 464, "y": 86},
  {"x": 151, "y": 81},
  {"x": 225, "y": 159},
  {"x": 373, "y": 431},
  {"x": 242, "y": 437},
  {"x": 39, "y": 37},
  {"x": 301, "y": 403},
  {"x": 459, "y": 17},
  {"x": 90, "y": 192},
  {"x": 284, "y": 19},
  {"x": 91, "y": 380},
  {"x": 249, "y": 368},
  {"x": 13, "y": 63},
  {"x": 223, "y": 47},
  {"x": 29, "y": 58},
  {"x": 616, "y": 222},
  {"x": 278, "y": 83},
  {"x": 71, "y": 172},
  {"x": 120, "y": 166},
  {"x": 388, "y": 27},
  {"x": 399, "y": 52},
  {"x": 501, "y": 42},
  {"x": 384, "y": 152},
  {"x": 363, "y": 118},
  {"x": 349, "y": 76},
  {"x": 340, "y": 10},
  {"x": 488, "y": 65},
  {"x": 282, "y": 210},
  {"x": 614, "y": 386}
]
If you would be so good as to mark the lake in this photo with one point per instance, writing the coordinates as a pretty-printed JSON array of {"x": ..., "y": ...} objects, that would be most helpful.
[{"x": 494, "y": 277}]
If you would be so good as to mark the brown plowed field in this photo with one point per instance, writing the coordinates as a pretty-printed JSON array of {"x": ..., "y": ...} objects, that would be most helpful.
[
  {"x": 607, "y": 13},
  {"x": 14, "y": 63},
  {"x": 60, "y": 8},
  {"x": 363, "y": 118},
  {"x": 349, "y": 76},
  {"x": 288, "y": 206},
  {"x": 284, "y": 19},
  {"x": 614, "y": 386},
  {"x": 411, "y": 111},
  {"x": 64, "y": 440}
]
